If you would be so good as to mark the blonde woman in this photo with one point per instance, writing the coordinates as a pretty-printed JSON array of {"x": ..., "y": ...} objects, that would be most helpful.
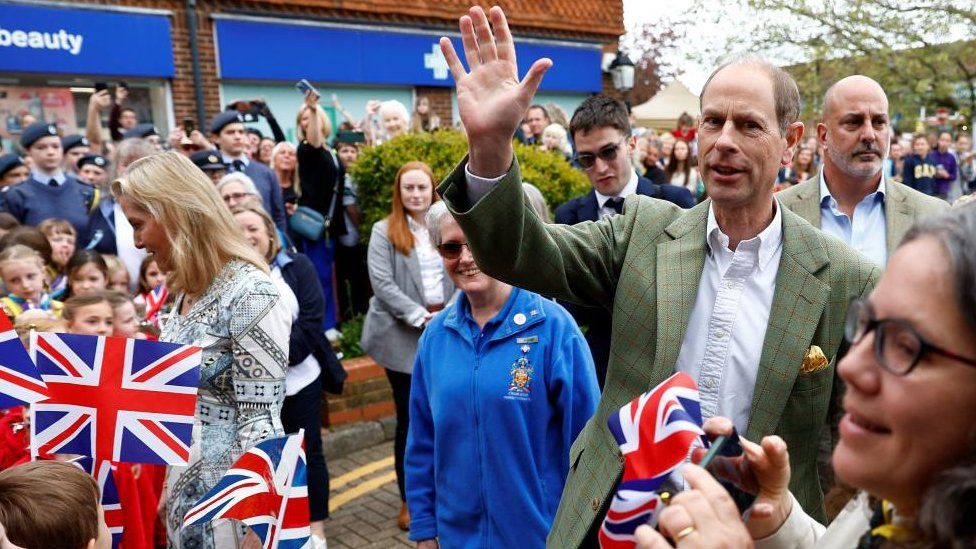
[
  {"x": 320, "y": 177},
  {"x": 227, "y": 304},
  {"x": 284, "y": 162},
  {"x": 555, "y": 139}
]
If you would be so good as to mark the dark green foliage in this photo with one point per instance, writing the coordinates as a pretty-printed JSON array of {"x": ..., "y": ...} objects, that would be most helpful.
[{"x": 442, "y": 150}]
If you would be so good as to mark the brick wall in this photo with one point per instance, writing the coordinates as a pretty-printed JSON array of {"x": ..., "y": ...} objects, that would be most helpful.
[{"x": 366, "y": 396}]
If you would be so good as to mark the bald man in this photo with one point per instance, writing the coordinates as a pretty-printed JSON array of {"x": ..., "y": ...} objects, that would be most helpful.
[{"x": 850, "y": 198}]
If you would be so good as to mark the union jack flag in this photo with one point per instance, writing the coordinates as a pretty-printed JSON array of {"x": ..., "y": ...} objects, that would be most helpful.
[
  {"x": 116, "y": 399},
  {"x": 111, "y": 503},
  {"x": 20, "y": 382},
  {"x": 155, "y": 299},
  {"x": 656, "y": 433},
  {"x": 266, "y": 489}
]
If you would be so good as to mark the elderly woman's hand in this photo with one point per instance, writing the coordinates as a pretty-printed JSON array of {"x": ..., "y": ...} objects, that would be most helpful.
[
  {"x": 764, "y": 470},
  {"x": 704, "y": 516}
]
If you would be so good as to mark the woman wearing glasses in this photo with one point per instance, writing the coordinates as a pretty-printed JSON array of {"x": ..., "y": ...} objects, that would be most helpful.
[
  {"x": 503, "y": 383},
  {"x": 907, "y": 438},
  {"x": 409, "y": 287}
]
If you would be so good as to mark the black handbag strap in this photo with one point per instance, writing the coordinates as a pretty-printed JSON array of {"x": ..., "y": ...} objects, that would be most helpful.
[{"x": 335, "y": 193}]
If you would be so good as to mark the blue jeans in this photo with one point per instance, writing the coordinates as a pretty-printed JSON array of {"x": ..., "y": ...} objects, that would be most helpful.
[{"x": 322, "y": 255}]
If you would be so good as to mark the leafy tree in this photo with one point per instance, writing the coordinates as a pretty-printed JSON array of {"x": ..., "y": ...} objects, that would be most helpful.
[{"x": 921, "y": 51}]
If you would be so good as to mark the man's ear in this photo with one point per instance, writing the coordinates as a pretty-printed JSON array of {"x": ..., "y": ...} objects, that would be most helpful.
[
  {"x": 794, "y": 133},
  {"x": 91, "y": 544}
]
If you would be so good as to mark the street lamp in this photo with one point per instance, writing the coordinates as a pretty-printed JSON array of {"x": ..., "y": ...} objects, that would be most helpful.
[{"x": 622, "y": 72}]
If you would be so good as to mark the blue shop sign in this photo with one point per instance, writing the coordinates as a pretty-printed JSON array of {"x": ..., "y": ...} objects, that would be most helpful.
[
  {"x": 52, "y": 40},
  {"x": 267, "y": 50}
]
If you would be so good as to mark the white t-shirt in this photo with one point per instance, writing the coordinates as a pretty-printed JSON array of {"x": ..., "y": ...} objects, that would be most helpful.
[{"x": 299, "y": 376}]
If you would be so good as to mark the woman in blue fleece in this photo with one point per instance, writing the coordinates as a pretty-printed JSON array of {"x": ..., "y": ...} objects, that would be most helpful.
[{"x": 503, "y": 382}]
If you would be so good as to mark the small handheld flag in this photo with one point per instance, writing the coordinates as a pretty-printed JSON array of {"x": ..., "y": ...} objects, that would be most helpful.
[
  {"x": 656, "y": 433},
  {"x": 266, "y": 489},
  {"x": 116, "y": 399},
  {"x": 20, "y": 382}
]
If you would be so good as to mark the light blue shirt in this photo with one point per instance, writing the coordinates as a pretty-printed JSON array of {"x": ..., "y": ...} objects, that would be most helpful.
[
  {"x": 867, "y": 232},
  {"x": 45, "y": 178}
]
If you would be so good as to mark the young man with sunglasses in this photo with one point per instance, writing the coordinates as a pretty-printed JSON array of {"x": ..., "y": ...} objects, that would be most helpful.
[
  {"x": 604, "y": 147},
  {"x": 741, "y": 294}
]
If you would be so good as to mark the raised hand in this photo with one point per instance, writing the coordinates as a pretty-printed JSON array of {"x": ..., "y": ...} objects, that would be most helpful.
[{"x": 491, "y": 98}]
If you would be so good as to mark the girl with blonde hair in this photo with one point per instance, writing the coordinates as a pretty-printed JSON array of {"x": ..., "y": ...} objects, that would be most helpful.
[{"x": 226, "y": 304}]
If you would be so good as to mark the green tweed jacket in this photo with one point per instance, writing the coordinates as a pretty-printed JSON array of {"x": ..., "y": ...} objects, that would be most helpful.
[
  {"x": 904, "y": 206},
  {"x": 645, "y": 266}
]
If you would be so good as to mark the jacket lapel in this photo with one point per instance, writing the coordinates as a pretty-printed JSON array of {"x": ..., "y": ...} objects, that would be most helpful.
[
  {"x": 679, "y": 268},
  {"x": 588, "y": 208},
  {"x": 899, "y": 216},
  {"x": 807, "y": 204},
  {"x": 798, "y": 304}
]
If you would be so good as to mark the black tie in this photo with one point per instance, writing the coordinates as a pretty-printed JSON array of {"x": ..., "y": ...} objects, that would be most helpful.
[
  {"x": 238, "y": 165},
  {"x": 53, "y": 182},
  {"x": 616, "y": 204}
]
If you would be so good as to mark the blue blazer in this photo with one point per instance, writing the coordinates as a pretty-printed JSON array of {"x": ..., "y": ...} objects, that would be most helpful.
[
  {"x": 267, "y": 183},
  {"x": 586, "y": 208},
  {"x": 101, "y": 233}
]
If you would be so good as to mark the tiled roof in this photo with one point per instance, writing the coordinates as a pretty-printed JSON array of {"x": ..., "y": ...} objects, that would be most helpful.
[{"x": 589, "y": 19}]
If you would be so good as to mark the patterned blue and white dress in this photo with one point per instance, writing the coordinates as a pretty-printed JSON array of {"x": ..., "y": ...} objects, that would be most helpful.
[{"x": 243, "y": 328}]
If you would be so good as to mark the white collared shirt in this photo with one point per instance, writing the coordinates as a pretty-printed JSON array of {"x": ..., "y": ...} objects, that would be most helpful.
[
  {"x": 601, "y": 199},
  {"x": 727, "y": 327},
  {"x": 431, "y": 265},
  {"x": 867, "y": 232}
]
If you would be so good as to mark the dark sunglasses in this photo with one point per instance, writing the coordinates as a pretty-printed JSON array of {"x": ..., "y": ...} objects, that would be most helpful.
[
  {"x": 586, "y": 160},
  {"x": 898, "y": 347},
  {"x": 451, "y": 250}
]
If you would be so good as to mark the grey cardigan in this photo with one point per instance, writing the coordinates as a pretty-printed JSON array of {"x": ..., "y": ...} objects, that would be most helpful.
[{"x": 398, "y": 298}]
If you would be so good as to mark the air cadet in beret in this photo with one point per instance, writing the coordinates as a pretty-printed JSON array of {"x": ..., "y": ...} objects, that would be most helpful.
[
  {"x": 230, "y": 135},
  {"x": 93, "y": 169},
  {"x": 49, "y": 192},
  {"x": 145, "y": 131},
  {"x": 74, "y": 146},
  {"x": 12, "y": 170},
  {"x": 210, "y": 163}
]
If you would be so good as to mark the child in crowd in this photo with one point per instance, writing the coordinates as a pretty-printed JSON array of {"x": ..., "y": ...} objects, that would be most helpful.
[
  {"x": 153, "y": 294},
  {"x": 89, "y": 314},
  {"x": 118, "y": 275},
  {"x": 87, "y": 272},
  {"x": 22, "y": 271},
  {"x": 61, "y": 235},
  {"x": 125, "y": 322},
  {"x": 51, "y": 504}
]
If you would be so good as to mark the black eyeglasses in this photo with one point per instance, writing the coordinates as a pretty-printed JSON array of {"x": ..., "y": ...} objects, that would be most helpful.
[
  {"x": 898, "y": 347},
  {"x": 451, "y": 250},
  {"x": 587, "y": 160}
]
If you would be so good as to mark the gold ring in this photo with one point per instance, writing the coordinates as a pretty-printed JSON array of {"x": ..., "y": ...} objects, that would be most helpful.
[{"x": 684, "y": 533}]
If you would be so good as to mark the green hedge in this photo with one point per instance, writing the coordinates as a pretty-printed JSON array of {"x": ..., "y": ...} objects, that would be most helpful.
[{"x": 442, "y": 150}]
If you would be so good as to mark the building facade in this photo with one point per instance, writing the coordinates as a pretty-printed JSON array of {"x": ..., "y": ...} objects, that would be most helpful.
[{"x": 185, "y": 60}]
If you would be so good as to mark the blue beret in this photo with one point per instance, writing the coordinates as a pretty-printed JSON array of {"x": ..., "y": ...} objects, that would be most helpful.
[
  {"x": 94, "y": 160},
  {"x": 208, "y": 160},
  {"x": 141, "y": 130},
  {"x": 69, "y": 142},
  {"x": 224, "y": 118},
  {"x": 36, "y": 131},
  {"x": 9, "y": 162}
]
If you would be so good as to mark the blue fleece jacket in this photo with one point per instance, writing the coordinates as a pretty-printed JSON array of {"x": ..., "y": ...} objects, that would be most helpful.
[{"x": 488, "y": 448}]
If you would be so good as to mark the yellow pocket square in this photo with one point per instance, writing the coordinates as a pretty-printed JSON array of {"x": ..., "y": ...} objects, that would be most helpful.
[{"x": 814, "y": 361}]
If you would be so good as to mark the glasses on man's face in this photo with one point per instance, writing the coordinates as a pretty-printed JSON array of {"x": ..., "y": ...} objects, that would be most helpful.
[
  {"x": 608, "y": 153},
  {"x": 235, "y": 197},
  {"x": 451, "y": 250},
  {"x": 898, "y": 347}
]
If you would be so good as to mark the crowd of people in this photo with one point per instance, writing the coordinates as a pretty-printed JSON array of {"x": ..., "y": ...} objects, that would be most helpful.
[{"x": 508, "y": 338}]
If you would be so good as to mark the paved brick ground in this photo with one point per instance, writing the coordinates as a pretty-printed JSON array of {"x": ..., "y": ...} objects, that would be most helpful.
[{"x": 369, "y": 520}]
